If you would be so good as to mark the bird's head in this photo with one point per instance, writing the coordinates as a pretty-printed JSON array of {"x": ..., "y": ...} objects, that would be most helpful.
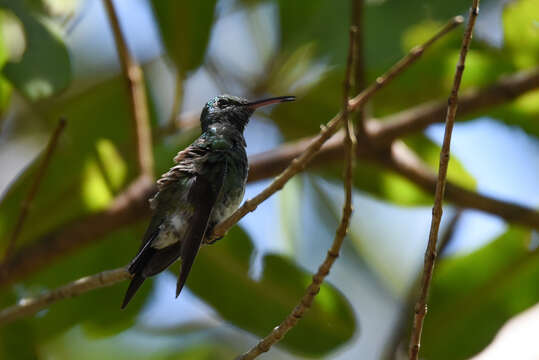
[{"x": 234, "y": 110}]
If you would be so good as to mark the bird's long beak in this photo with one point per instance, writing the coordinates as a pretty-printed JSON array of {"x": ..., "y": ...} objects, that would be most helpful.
[{"x": 275, "y": 100}]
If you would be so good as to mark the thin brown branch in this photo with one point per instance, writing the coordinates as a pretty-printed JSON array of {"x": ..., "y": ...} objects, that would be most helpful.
[
  {"x": 333, "y": 253},
  {"x": 419, "y": 117},
  {"x": 27, "y": 307},
  {"x": 430, "y": 254},
  {"x": 359, "y": 65},
  {"x": 449, "y": 233},
  {"x": 175, "y": 121},
  {"x": 300, "y": 162},
  {"x": 38, "y": 177},
  {"x": 396, "y": 344},
  {"x": 137, "y": 96}
]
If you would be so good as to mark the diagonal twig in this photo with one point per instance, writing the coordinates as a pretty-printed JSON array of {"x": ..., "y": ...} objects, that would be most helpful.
[
  {"x": 137, "y": 96},
  {"x": 131, "y": 205},
  {"x": 299, "y": 163},
  {"x": 395, "y": 345},
  {"x": 38, "y": 177},
  {"x": 333, "y": 253},
  {"x": 27, "y": 307},
  {"x": 430, "y": 254}
]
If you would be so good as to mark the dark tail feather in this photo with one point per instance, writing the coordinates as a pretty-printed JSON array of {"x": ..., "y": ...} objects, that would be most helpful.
[
  {"x": 189, "y": 252},
  {"x": 132, "y": 289}
]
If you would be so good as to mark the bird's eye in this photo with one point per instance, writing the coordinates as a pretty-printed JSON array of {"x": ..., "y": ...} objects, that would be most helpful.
[{"x": 221, "y": 103}]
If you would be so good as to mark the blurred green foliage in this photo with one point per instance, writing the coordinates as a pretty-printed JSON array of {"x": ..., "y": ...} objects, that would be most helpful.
[
  {"x": 473, "y": 295},
  {"x": 45, "y": 67},
  {"x": 222, "y": 278},
  {"x": 185, "y": 28}
]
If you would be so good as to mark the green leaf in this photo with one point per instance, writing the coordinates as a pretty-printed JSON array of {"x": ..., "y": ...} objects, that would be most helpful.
[
  {"x": 473, "y": 295},
  {"x": 521, "y": 39},
  {"x": 317, "y": 104},
  {"x": 185, "y": 29},
  {"x": 45, "y": 67},
  {"x": 325, "y": 24},
  {"x": 76, "y": 345},
  {"x": 322, "y": 23},
  {"x": 221, "y": 278},
  {"x": 431, "y": 77}
]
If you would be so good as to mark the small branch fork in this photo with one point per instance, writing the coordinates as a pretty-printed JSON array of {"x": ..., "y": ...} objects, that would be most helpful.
[
  {"x": 137, "y": 96},
  {"x": 139, "y": 191},
  {"x": 430, "y": 254},
  {"x": 333, "y": 253},
  {"x": 27, "y": 203}
]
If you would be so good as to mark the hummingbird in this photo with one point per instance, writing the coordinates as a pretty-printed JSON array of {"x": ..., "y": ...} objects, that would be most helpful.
[{"x": 204, "y": 188}]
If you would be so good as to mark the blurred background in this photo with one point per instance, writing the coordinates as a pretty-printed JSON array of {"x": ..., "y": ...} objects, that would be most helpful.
[{"x": 59, "y": 58}]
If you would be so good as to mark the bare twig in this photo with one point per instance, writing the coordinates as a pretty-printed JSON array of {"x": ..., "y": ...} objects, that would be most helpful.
[
  {"x": 449, "y": 233},
  {"x": 430, "y": 254},
  {"x": 333, "y": 253},
  {"x": 359, "y": 64},
  {"x": 299, "y": 163},
  {"x": 175, "y": 122},
  {"x": 27, "y": 307},
  {"x": 38, "y": 177},
  {"x": 396, "y": 346},
  {"x": 137, "y": 96}
]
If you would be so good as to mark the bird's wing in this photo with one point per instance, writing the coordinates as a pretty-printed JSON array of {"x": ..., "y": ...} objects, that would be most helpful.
[
  {"x": 194, "y": 185},
  {"x": 203, "y": 195},
  {"x": 189, "y": 161}
]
